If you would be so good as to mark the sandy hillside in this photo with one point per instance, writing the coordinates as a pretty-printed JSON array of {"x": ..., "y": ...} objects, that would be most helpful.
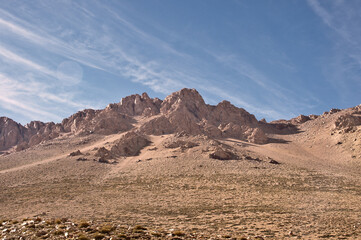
[{"x": 214, "y": 176}]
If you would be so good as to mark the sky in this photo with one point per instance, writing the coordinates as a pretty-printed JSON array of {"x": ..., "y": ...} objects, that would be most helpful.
[{"x": 275, "y": 58}]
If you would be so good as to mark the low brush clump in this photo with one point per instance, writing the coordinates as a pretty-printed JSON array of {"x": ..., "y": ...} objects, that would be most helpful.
[
  {"x": 84, "y": 224},
  {"x": 106, "y": 229}
]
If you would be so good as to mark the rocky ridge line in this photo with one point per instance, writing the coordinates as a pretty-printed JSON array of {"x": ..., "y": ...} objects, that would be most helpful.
[{"x": 181, "y": 111}]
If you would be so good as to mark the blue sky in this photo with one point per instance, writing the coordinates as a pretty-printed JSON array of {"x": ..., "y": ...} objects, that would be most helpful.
[{"x": 275, "y": 58}]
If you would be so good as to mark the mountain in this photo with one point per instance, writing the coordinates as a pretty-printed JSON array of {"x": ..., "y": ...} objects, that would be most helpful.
[
  {"x": 148, "y": 167},
  {"x": 182, "y": 111}
]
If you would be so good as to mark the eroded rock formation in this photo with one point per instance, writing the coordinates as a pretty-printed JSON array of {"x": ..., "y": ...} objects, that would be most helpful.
[{"x": 182, "y": 111}]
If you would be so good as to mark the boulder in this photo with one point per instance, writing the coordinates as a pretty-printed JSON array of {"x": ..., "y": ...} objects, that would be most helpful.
[
  {"x": 129, "y": 145},
  {"x": 76, "y": 153},
  {"x": 257, "y": 136},
  {"x": 223, "y": 154},
  {"x": 103, "y": 153}
]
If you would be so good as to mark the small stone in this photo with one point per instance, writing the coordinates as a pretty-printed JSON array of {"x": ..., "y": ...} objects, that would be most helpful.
[
  {"x": 76, "y": 153},
  {"x": 272, "y": 161}
]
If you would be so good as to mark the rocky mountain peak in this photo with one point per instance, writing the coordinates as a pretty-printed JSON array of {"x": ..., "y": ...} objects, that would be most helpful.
[
  {"x": 185, "y": 100},
  {"x": 136, "y": 104},
  {"x": 36, "y": 125},
  {"x": 181, "y": 111}
]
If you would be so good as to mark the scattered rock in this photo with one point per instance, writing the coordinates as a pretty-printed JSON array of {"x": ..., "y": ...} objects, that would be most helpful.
[
  {"x": 272, "y": 161},
  {"x": 312, "y": 116},
  {"x": 180, "y": 143},
  {"x": 251, "y": 158},
  {"x": 334, "y": 110},
  {"x": 222, "y": 154},
  {"x": 291, "y": 233},
  {"x": 103, "y": 153},
  {"x": 300, "y": 119},
  {"x": 76, "y": 153},
  {"x": 103, "y": 160},
  {"x": 347, "y": 122}
]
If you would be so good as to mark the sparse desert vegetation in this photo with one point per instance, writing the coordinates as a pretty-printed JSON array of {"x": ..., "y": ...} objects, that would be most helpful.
[{"x": 301, "y": 184}]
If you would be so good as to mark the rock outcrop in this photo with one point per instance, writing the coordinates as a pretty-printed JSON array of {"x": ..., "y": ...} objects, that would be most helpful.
[
  {"x": 14, "y": 134},
  {"x": 11, "y": 133},
  {"x": 129, "y": 145},
  {"x": 257, "y": 136},
  {"x": 347, "y": 122},
  {"x": 300, "y": 119},
  {"x": 136, "y": 105},
  {"x": 107, "y": 121},
  {"x": 182, "y": 111},
  {"x": 186, "y": 111},
  {"x": 178, "y": 143}
]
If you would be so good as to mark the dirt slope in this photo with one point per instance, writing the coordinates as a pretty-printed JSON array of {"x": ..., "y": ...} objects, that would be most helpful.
[{"x": 303, "y": 183}]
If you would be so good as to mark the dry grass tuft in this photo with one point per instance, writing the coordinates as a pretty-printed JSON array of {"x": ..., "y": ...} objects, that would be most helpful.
[
  {"x": 106, "y": 229},
  {"x": 84, "y": 224},
  {"x": 82, "y": 237},
  {"x": 99, "y": 236},
  {"x": 59, "y": 232},
  {"x": 178, "y": 233}
]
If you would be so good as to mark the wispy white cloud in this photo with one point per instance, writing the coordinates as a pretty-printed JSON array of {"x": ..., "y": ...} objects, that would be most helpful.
[
  {"x": 100, "y": 48},
  {"x": 95, "y": 56},
  {"x": 325, "y": 16},
  {"x": 34, "y": 99},
  {"x": 19, "y": 30},
  {"x": 330, "y": 19},
  {"x": 9, "y": 55},
  {"x": 120, "y": 64},
  {"x": 49, "y": 42},
  {"x": 343, "y": 69},
  {"x": 159, "y": 43},
  {"x": 11, "y": 92},
  {"x": 276, "y": 95}
]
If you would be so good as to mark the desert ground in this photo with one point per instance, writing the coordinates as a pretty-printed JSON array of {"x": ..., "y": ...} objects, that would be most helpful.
[
  {"x": 301, "y": 185},
  {"x": 311, "y": 194}
]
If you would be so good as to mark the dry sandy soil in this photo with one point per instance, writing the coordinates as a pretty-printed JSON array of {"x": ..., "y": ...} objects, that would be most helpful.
[{"x": 314, "y": 193}]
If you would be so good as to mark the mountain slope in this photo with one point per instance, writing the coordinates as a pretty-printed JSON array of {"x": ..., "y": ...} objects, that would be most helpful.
[
  {"x": 182, "y": 111},
  {"x": 182, "y": 164}
]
